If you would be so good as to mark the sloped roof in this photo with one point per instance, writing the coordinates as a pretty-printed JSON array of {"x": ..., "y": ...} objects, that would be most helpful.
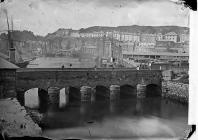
[
  {"x": 4, "y": 64},
  {"x": 3, "y": 56},
  {"x": 171, "y": 33}
]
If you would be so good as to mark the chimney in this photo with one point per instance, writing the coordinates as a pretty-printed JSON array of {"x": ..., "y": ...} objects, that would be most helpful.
[{"x": 12, "y": 53}]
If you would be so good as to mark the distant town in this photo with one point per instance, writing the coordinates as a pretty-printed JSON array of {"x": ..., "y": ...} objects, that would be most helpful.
[{"x": 107, "y": 46}]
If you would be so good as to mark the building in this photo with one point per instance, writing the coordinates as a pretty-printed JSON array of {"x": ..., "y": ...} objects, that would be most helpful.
[
  {"x": 75, "y": 34},
  {"x": 63, "y": 32},
  {"x": 116, "y": 53},
  {"x": 109, "y": 51},
  {"x": 184, "y": 38},
  {"x": 156, "y": 55},
  {"x": 132, "y": 37},
  {"x": 147, "y": 44},
  {"x": 165, "y": 44},
  {"x": 92, "y": 34},
  {"x": 159, "y": 37},
  {"x": 171, "y": 36},
  {"x": 148, "y": 38},
  {"x": 91, "y": 50},
  {"x": 7, "y": 79},
  {"x": 127, "y": 46}
]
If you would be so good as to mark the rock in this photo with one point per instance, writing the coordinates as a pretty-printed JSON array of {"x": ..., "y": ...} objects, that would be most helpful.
[{"x": 176, "y": 91}]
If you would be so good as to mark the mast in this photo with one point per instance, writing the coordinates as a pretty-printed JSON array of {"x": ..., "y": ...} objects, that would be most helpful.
[
  {"x": 10, "y": 41},
  {"x": 9, "y": 37}
]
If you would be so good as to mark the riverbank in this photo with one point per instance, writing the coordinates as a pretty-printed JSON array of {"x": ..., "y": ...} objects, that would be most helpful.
[
  {"x": 176, "y": 91},
  {"x": 15, "y": 121}
]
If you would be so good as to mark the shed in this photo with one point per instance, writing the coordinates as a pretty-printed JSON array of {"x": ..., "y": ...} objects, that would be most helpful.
[{"x": 7, "y": 79}]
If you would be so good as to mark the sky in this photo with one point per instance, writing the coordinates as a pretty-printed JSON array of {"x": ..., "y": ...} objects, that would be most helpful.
[{"x": 46, "y": 16}]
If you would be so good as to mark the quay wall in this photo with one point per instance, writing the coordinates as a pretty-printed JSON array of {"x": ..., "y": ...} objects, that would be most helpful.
[{"x": 176, "y": 91}]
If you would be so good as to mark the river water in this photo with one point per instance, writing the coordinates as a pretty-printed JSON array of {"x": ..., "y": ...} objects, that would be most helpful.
[
  {"x": 58, "y": 62},
  {"x": 126, "y": 118}
]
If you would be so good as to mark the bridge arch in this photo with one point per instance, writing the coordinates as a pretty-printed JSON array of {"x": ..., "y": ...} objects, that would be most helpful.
[
  {"x": 35, "y": 98},
  {"x": 102, "y": 92},
  {"x": 127, "y": 91},
  {"x": 153, "y": 90},
  {"x": 74, "y": 94}
]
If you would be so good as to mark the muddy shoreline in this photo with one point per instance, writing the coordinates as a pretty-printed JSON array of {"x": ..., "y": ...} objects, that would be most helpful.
[{"x": 15, "y": 121}]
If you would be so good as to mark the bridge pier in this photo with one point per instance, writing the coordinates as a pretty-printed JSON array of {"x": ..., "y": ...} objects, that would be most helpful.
[
  {"x": 21, "y": 97},
  {"x": 93, "y": 95},
  {"x": 53, "y": 93},
  {"x": 114, "y": 92},
  {"x": 85, "y": 92},
  {"x": 66, "y": 95},
  {"x": 141, "y": 90}
]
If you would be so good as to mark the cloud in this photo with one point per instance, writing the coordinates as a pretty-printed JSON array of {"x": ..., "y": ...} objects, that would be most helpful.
[
  {"x": 106, "y": 3},
  {"x": 44, "y": 16}
]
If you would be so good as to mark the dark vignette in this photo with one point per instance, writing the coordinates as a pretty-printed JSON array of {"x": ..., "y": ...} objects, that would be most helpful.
[{"x": 192, "y": 4}]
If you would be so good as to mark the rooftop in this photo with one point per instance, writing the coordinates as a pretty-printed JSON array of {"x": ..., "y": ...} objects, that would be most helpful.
[
  {"x": 4, "y": 64},
  {"x": 171, "y": 33},
  {"x": 156, "y": 53},
  {"x": 3, "y": 56}
]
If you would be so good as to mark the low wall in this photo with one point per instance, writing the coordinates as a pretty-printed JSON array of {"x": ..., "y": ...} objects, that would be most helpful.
[{"x": 175, "y": 91}]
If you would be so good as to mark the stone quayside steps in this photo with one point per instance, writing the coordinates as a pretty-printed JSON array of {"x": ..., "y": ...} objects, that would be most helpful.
[{"x": 176, "y": 91}]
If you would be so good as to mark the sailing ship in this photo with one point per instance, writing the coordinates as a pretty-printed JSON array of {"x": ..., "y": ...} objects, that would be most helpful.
[
  {"x": 21, "y": 62},
  {"x": 16, "y": 58}
]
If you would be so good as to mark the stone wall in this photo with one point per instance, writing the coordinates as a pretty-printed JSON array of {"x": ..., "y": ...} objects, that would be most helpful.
[
  {"x": 45, "y": 78},
  {"x": 176, "y": 91},
  {"x": 7, "y": 83}
]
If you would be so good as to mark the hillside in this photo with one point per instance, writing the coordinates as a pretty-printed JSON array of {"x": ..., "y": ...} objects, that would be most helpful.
[
  {"x": 64, "y": 33},
  {"x": 139, "y": 29}
]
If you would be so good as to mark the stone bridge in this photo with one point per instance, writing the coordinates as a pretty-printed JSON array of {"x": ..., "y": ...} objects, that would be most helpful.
[
  {"x": 76, "y": 77},
  {"x": 86, "y": 79}
]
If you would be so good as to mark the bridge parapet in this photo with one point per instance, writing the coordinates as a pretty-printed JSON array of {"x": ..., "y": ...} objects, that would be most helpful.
[{"x": 76, "y": 77}]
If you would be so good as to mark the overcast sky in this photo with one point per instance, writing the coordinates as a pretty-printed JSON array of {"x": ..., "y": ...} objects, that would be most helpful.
[{"x": 45, "y": 16}]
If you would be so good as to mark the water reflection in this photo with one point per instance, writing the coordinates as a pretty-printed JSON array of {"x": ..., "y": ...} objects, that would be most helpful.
[
  {"x": 148, "y": 117},
  {"x": 114, "y": 106},
  {"x": 63, "y": 99},
  {"x": 58, "y": 62}
]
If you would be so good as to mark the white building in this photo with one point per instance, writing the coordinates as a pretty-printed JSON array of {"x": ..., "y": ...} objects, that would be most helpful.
[
  {"x": 184, "y": 37},
  {"x": 159, "y": 37},
  {"x": 171, "y": 36},
  {"x": 75, "y": 34}
]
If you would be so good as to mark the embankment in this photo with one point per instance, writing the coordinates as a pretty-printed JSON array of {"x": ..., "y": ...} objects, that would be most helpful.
[
  {"x": 15, "y": 121},
  {"x": 175, "y": 91}
]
